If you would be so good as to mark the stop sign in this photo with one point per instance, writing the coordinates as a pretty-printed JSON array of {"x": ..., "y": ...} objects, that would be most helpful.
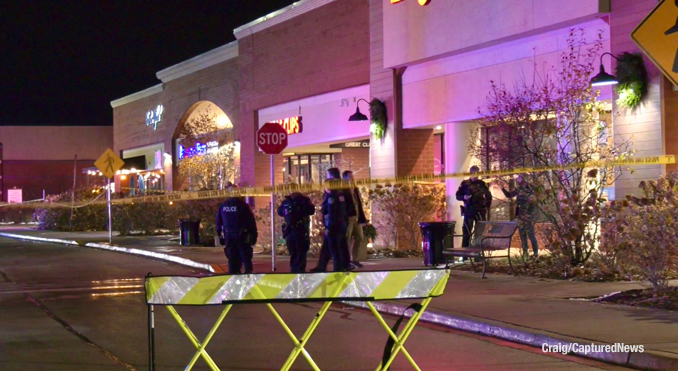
[{"x": 272, "y": 138}]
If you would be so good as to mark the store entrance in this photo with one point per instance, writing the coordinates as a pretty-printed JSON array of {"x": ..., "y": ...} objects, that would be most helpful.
[{"x": 307, "y": 168}]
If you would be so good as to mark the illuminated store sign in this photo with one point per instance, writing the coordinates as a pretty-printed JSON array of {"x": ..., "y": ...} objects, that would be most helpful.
[
  {"x": 357, "y": 144},
  {"x": 153, "y": 117},
  {"x": 421, "y": 2},
  {"x": 198, "y": 150},
  {"x": 292, "y": 125}
]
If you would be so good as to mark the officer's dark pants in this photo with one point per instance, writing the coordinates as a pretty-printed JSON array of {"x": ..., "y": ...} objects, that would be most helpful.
[
  {"x": 298, "y": 244},
  {"x": 338, "y": 247},
  {"x": 469, "y": 223},
  {"x": 238, "y": 254},
  {"x": 324, "y": 257}
]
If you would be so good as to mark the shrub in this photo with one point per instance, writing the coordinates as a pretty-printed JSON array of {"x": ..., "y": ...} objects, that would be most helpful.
[
  {"x": 642, "y": 233},
  {"x": 402, "y": 207}
]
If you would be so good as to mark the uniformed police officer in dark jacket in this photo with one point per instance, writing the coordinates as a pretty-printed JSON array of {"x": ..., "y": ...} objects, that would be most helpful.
[
  {"x": 334, "y": 177},
  {"x": 525, "y": 212},
  {"x": 336, "y": 223},
  {"x": 297, "y": 209},
  {"x": 477, "y": 201},
  {"x": 237, "y": 230}
]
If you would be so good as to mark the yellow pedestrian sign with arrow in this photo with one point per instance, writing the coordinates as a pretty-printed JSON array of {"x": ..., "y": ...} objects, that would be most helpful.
[
  {"x": 657, "y": 36},
  {"x": 109, "y": 163}
]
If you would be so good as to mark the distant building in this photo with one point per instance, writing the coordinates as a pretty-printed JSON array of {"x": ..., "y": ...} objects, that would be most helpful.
[{"x": 37, "y": 159}]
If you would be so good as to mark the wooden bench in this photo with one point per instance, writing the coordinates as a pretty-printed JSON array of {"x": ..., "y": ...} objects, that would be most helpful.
[{"x": 487, "y": 239}]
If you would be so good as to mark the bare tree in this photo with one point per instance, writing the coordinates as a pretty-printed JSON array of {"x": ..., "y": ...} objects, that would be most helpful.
[{"x": 556, "y": 121}]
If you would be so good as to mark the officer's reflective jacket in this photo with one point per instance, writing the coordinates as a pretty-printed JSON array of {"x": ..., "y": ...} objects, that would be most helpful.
[
  {"x": 334, "y": 209},
  {"x": 296, "y": 209},
  {"x": 235, "y": 218}
]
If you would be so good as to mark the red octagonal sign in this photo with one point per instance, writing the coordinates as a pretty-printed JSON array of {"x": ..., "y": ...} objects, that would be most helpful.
[{"x": 272, "y": 138}]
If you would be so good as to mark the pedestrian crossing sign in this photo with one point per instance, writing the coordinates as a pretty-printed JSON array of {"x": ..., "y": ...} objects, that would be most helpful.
[
  {"x": 109, "y": 163},
  {"x": 657, "y": 36}
]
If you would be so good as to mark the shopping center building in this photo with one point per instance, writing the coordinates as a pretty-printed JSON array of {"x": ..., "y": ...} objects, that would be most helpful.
[{"x": 311, "y": 65}]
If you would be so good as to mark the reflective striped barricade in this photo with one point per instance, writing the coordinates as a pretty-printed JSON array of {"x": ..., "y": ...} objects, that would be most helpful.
[{"x": 228, "y": 290}]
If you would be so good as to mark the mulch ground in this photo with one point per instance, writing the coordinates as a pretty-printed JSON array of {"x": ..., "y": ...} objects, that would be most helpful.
[{"x": 664, "y": 299}]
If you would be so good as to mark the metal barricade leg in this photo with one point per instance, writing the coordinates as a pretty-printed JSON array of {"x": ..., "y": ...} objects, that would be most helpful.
[
  {"x": 400, "y": 341},
  {"x": 200, "y": 347}
]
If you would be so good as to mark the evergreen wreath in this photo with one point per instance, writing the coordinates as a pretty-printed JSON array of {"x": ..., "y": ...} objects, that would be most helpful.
[
  {"x": 632, "y": 76},
  {"x": 378, "y": 116}
]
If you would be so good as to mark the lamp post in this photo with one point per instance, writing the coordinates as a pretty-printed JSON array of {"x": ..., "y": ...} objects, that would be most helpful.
[
  {"x": 358, "y": 116},
  {"x": 603, "y": 78}
]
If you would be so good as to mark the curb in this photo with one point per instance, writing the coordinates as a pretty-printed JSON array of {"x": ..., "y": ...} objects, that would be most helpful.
[
  {"x": 646, "y": 361},
  {"x": 126, "y": 250}
]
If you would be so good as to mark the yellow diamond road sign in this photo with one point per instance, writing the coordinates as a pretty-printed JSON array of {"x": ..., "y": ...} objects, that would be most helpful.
[
  {"x": 657, "y": 36},
  {"x": 109, "y": 163}
]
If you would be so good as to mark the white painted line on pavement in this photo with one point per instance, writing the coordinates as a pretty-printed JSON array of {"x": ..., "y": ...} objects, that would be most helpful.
[
  {"x": 40, "y": 239},
  {"x": 150, "y": 254}
]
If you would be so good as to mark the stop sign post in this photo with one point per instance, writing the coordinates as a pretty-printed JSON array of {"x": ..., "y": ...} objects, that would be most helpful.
[{"x": 272, "y": 140}]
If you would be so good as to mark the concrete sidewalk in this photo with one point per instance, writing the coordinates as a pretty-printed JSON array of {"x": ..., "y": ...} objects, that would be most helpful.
[{"x": 525, "y": 310}]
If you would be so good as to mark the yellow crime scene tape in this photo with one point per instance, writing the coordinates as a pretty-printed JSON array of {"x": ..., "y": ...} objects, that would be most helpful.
[
  {"x": 271, "y": 288},
  {"x": 178, "y": 196}
]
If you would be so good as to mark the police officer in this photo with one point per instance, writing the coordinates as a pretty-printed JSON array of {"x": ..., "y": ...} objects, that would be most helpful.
[
  {"x": 237, "y": 230},
  {"x": 334, "y": 179},
  {"x": 297, "y": 209},
  {"x": 336, "y": 224},
  {"x": 477, "y": 201}
]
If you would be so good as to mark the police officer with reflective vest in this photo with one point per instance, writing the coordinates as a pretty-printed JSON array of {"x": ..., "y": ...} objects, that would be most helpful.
[
  {"x": 237, "y": 230},
  {"x": 297, "y": 209},
  {"x": 335, "y": 219}
]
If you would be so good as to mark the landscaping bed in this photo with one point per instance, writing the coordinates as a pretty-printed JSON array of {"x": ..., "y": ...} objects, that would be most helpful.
[{"x": 648, "y": 298}]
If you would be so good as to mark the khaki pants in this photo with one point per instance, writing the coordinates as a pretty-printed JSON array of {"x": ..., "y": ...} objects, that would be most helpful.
[{"x": 355, "y": 230}]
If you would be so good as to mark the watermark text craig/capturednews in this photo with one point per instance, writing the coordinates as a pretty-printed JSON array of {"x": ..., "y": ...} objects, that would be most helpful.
[{"x": 591, "y": 348}]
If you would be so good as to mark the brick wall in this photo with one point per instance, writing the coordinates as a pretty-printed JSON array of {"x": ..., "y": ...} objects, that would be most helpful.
[
  {"x": 356, "y": 160},
  {"x": 324, "y": 50},
  {"x": 217, "y": 84},
  {"x": 382, "y": 151},
  {"x": 416, "y": 152},
  {"x": 401, "y": 152},
  {"x": 645, "y": 122},
  {"x": 670, "y": 118}
]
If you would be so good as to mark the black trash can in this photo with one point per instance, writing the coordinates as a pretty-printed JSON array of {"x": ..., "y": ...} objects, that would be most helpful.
[
  {"x": 189, "y": 232},
  {"x": 436, "y": 236}
]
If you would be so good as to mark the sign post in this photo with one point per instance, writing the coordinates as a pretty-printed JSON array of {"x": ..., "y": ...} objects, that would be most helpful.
[
  {"x": 272, "y": 139},
  {"x": 108, "y": 163}
]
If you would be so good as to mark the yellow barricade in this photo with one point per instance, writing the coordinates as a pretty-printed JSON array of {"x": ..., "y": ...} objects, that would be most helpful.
[{"x": 271, "y": 288}]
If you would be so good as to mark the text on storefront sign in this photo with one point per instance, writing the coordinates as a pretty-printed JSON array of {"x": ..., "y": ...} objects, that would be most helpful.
[
  {"x": 198, "y": 150},
  {"x": 292, "y": 125},
  {"x": 153, "y": 117}
]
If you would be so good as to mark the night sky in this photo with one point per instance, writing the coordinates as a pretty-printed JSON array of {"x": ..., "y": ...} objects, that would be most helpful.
[{"x": 63, "y": 62}]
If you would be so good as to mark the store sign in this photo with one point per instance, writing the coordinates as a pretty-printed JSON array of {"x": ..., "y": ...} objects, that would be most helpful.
[
  {"x": 292, "y": 125},
  {"x": 421, "y": 2},
  {"x": 198, "y": 150},
  {"x": 153, "y": 117},
  {"x": 14, "y": 195},
  {"x": 357, "y": 144}
]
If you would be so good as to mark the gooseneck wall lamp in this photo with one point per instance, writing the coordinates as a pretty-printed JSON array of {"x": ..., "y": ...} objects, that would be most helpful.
[
  {"x": 358, "y": 116},
  {"x": 603, "y": 78}
]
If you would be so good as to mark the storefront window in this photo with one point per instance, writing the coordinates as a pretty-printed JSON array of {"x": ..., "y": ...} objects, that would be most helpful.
[{"x": 307, "y": 168}]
